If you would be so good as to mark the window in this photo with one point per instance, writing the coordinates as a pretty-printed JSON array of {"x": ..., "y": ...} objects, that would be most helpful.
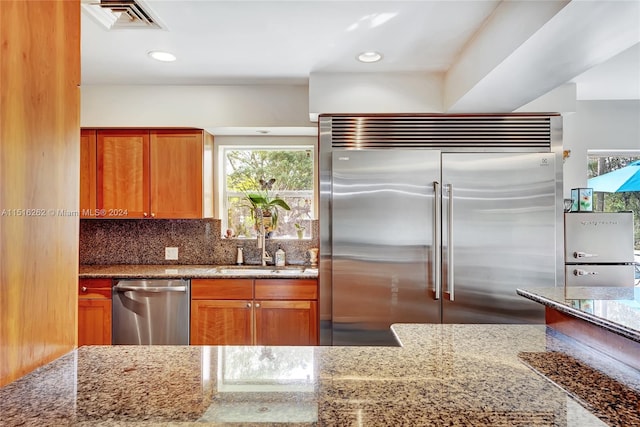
[
  {"x": 286, "y": 172},
  {"x": 601, "y": 163}
]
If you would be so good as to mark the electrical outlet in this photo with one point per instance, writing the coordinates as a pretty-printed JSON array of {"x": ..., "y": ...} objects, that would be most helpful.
[{"x": 171, "y": 253}]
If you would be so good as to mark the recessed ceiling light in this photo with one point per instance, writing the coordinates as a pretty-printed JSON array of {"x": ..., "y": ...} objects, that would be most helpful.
[
  {"x": 371, "y": 56},
  {"x": 162, "y": 56}
]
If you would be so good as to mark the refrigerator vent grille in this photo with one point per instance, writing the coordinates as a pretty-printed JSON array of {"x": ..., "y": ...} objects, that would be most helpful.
[{"x": 522, "y": 133}]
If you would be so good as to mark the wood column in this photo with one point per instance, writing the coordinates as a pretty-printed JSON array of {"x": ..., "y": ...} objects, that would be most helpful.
[{"x": 39, "y": 182}]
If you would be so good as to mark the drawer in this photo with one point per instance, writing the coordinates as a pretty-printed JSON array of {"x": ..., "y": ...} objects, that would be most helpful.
[
  {"x": 286, "y": 289},
  {"x": 221, "y": 288},
  {"x": 95, "y": 288},
  {"x": 619, "y": 276}
]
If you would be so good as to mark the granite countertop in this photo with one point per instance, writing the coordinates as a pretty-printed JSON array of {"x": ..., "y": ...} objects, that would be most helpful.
[
  {"x": 475, "y": 375},
  {"x": 614, "y": 309},
  {"x": 158, "y": 271}
]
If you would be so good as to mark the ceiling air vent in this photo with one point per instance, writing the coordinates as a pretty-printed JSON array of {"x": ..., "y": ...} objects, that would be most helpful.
[{"x": 121, "y": 14}]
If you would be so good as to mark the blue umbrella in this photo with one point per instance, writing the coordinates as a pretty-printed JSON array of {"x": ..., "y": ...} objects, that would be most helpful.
[{"x": 619, "y": 180}]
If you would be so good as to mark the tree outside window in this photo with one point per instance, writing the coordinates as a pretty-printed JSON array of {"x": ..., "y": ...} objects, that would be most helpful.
[{"x": 290, "y": 167}]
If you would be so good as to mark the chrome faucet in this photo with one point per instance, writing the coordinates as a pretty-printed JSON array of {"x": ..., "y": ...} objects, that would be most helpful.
[{"x": 262, "y": 244}]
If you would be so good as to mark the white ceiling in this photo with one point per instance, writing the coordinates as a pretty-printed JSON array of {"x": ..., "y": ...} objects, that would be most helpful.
[
  {"x": 249, "y": 42},
  {"x": 280, "y": 41}
]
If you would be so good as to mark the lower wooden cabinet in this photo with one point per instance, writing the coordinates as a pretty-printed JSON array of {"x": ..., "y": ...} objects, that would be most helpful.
[
  {"x": 216, "y": 322},
  {"x": 286, "y": 311},
  {"x": 94, "y": 312},
  {"x": 247, "y": 311},
  {"x": 286, "y": 323}
]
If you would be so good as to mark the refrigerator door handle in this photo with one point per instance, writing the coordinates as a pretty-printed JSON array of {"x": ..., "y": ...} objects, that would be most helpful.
[
  {"x": 579, "y": 255},
  {"x": 450, "y": 269},
  {"x": 437, "y": 221},
  {"x": 581, "y": 272}
]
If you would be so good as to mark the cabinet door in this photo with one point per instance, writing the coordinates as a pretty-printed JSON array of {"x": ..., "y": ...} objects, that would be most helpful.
[
  {"x": 88, "y": 177},
  {"x": 176, "y": 174},
  {"x": 94, "y": 321},
  {"x": 286, "y": 322},
  {"x": 221, "y": 322},
  {"x": 123, "y": 173},
  {"x": 94, "y": 311}
]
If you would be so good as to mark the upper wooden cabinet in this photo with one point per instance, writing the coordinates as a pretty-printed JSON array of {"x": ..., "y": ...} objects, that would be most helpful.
[
  {"x": 123, "y": 173},
  {"x": 88, "y": 172},
  {"x": 176, "y": 174},
  {"x": 143, "y": 173}
]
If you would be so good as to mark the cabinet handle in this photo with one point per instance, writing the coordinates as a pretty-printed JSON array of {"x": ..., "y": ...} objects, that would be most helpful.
[
  {"x": 257, "y": 305},
  {"x": 248, "y": 305},
  {"x": 83, "y": 289},
  {"x": 153, "y": 215},
  {"x": 144, "y": 214}
]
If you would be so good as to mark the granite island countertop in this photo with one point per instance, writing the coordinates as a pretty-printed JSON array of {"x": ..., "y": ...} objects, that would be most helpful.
[
  {"x": 162, "y": 271},
  {"x": 614, "y": 309},
  {"x": 473, "y": 375}
]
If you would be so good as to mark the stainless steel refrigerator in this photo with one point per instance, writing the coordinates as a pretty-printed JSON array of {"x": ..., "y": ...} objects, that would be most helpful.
[
  {"x": 429, "y": 219},
  {"x": 599, "y": 249}
]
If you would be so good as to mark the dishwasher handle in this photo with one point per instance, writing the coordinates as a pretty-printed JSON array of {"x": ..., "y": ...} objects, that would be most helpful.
[{"x": 156, "y": 289}]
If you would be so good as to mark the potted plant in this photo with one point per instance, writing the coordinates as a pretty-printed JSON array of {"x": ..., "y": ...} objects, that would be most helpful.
[
  {"x": 265, "y": 206},
  {"x": 299, "y": 230}
]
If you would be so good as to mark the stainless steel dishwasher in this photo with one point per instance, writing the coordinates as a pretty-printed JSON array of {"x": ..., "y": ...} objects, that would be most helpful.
[{"x": 150, "y": 312}]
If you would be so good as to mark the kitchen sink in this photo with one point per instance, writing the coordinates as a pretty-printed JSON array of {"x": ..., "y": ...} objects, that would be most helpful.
[{"x": 260, "y": 270}]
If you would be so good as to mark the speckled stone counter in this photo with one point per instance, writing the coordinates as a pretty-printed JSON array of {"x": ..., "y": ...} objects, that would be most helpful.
[
  {"x": 155, "y": 271},
  {"x": 614, "y": 309},
  {"x": 467, "y": 375}
]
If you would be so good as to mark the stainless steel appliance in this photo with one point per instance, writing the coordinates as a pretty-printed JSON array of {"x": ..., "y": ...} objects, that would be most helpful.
[
  {"x": 599, "y": 249},
  {"x": 151, "y": 312},
  {"x": 435, "y": 218}
]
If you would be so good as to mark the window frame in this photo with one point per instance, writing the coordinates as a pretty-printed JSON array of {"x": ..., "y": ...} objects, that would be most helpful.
[
  {"x": 221, "y": 177},
  {"x": 592, "y": 154}
]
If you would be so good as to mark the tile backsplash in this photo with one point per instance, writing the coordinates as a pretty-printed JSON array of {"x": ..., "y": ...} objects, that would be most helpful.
[{"x": 199, "y": 241}]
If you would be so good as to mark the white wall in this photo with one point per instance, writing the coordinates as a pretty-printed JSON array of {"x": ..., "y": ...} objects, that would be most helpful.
[
  {"x": 597, "y": 125},
  {"x": 375, "y": 93},
  {"x": 195, "y": 106}
]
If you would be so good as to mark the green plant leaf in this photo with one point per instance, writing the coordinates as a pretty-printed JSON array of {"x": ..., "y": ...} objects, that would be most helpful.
[{"x": 281, "y": 203}]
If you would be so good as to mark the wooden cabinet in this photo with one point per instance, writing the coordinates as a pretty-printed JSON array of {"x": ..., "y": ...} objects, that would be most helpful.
[
  {"x": 176, "y": 174},
  {"x": 94, "y": 312},
  {"x": 286, "y": 312},
  {"x": 221, "y": 312},
  {"x": 123, "y": 173},
  {"x": 88, "y": 173},
  {"x": 247, "y": 311},
  {"x": 142, "y": 173}
]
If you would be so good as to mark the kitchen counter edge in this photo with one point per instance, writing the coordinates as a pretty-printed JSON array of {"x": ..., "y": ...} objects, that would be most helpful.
[
  {"x": 164, "y": 271},
  {"x": 537, "y": 296}
]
